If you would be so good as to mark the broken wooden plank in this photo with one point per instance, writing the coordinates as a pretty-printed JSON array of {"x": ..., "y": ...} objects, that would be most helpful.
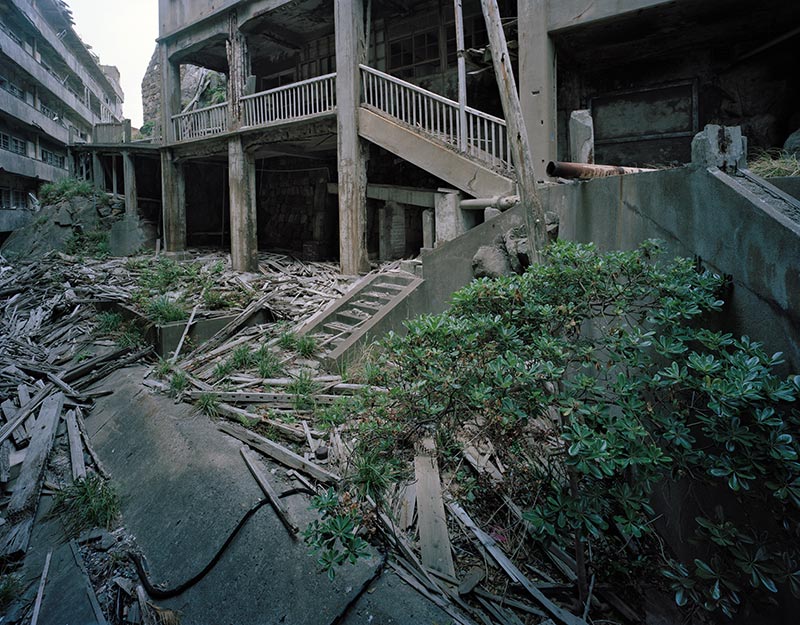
[
  {"x": 434, "y": 538},
  {"x": 37, "y": 605},
  {"x": 279, "y": 453},
  {"x": 5, "y": 464},
  {"x": 185, "y": 333},
  {"x": 243, "y": 397},
  {"x": 17, "y": 539},
  {"x": 270, "y": 493},
  {"x": 407, "y": 506},
  {"x": 75, "y": 447},
  {"x": 287, "y": 430},
  {"x": 513, "y": 572},
  {"x": 19, "y": 435},
  {"x": 99, "y": 617},
  {"x": 26, "y": 488},
  {"x": 88, "y": 445},
  {"x": 25, "y": 411}
]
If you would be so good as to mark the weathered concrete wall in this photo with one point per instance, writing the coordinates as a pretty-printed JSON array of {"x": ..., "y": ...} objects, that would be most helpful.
[
  {"x": 788, "y": 184},
  {"x": 695, "y": 213}
]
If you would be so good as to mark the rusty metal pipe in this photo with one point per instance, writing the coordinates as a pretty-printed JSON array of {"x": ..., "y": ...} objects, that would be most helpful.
[
  {"x": 584, "y": 171},
  {"x": 501, "y": 202}
]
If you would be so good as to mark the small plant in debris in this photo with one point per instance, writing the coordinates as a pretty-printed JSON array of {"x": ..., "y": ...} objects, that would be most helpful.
[
  {"x": 222, "y": 370},
  {"x": 65, "y": 189},
  {"x": 11, "y": 588},
  {"x": 213, "y": 300},
  {"x": 773, "y": 163},
  {"x": 302, "y": 388},
  {"x": 287, "y": 341},
  {"x": 335, "y": 536},
  {"x": 83, "y": 355},
  {"x": 337, "y": 413},
  {"x": 242, "y": 358},
  {"x": 108, "y": 322},
  {"x": 92, "y": 244},
  {"x": 130, "y": 335},
  {"x": 208, "y": 404},
  {"x": 268, "y": 363},
  {"x": 179, "y": 382},
  {"x": 306, "y": 346},
  {"x": 86, "y": 503},
  {"x": 164, "y": 310},
  {"x": 163, "y": 368}
]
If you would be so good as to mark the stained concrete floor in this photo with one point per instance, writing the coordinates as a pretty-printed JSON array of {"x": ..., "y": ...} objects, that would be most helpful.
[{"x": 184, "y": 486}]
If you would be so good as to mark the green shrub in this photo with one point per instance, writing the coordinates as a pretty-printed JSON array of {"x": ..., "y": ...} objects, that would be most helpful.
[
  {"x": 65, "y": 189},
  {"x": 596, "y": 378}
]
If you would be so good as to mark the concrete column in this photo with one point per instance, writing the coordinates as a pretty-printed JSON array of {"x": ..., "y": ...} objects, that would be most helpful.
[
  {"x": 449, "y": 223},
  {"x": 581, "y": 137},
  {"x": 114, "y": 174},
  {"x": 98, "y": 176},
  {"x": 129, "y": 180},
  {"x": 350, "y": 51},
  {"x": 537, "y": 82},
  {"x": 173, "y": 203},
  {"x": 428, "y": 229},
  {"x": 170, "y": 94},
  {"x": 391, "y": 231},
  {"x": 238, "y": 69},
  {"x": 242, "y": 193}
]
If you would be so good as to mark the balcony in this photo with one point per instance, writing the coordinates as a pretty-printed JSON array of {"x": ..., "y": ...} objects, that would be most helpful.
[
  {"x": 300, "y": 101},
  {"x": 26, "y": 113},
  {"x": 21, "y": 165}
]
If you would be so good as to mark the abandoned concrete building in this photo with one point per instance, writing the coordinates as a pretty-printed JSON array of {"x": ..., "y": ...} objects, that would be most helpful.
[{"x": 53, "y": 93}]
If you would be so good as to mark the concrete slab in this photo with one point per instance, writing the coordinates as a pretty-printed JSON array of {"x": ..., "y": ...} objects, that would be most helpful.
[{"x": 184, "y": 486}]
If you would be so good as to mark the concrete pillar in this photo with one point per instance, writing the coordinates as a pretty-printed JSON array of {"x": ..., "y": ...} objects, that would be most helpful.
[
  {"x": 242, "y": 193},
  {"x": 238, "y": 70},
  {"x": 391, "y": 231},
  {"x": 537, "y": 82},
  {"x": 170, "y": 94},
  {"x": 581, "y": 137},
  {"x": 173, "y": 202},
  {"x": 428, "y": 229},
  {"x": 449, "y": 223},
  {"x": 98, "y": 176},
  {"x": 114, "y": 174},
  {"x": 350, "y": 51},
  {"x": 129, "y": 181}
]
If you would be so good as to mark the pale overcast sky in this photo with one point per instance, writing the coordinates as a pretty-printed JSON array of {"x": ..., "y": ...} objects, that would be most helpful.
[{"x": 121, "y": 34}]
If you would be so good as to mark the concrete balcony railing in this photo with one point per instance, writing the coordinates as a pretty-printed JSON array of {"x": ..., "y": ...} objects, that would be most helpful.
[
  {"x": 31, "y": 167},
  {"x": 27, "y": 114},
  {"x": 300, "y": 101},
  {"x": 20, "y": 56}
]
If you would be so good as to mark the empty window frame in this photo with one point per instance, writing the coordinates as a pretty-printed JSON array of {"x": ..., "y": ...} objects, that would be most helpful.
[{"x": 416, "y": 54}]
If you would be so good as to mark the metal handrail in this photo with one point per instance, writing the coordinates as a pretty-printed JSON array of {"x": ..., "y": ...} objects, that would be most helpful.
[{"x": 300, "y": 100}]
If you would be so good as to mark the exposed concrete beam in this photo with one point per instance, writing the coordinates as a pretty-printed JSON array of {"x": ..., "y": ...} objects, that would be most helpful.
[
  {"x": 242, "y": 194},
  {"x": 350, "y": 53},
  {"x": 563, "y": 14},
  {"x": 391, "y": 193}
]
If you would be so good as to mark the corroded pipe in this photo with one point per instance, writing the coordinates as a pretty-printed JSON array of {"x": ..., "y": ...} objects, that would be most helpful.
[{"x": 584, "y": 171}]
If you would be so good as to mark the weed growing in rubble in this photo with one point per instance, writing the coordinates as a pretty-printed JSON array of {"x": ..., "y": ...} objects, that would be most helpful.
[
  {"x": 65, "y": 189},
  {"x": 86, "y": 503},
  {"x": 213, "y": 300},
  {"x": 164, "y": 310},
  {"x": 268, "y": 363},
  {"x": 92, "y": 244},
  {"x": 306, "y": 346},
  {"x": 108, "y": 322},
  {"x": 163, "y": 368},
  {"x": 11, "y": 588},
  {"x": 130, "y": 335},
  {"x": 287, "y": 341},
  {"x": 178, "y": 382},
  {"x": 222, "y": 370},
  {"x": 302, "y": 389},
  {"x": 208, "y": 404},
  {"x": 242, "y": 358},
  {"x": 335, "y": 535},
  {"x": 594, "y": 379}
]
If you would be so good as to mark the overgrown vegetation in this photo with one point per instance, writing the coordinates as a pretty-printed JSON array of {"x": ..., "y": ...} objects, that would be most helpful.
[
  {"x": 599, "y": 379},
  {"x": 64, "y": 189},
  {"x": 108, "y": 322},
  {"x": 165, "y": 310},
  {"x": 773, "y": 163},
  {"x": 208, "y": 404},
  {"x": 93, "y": 244},
  {"x": 86, "y": 503}
]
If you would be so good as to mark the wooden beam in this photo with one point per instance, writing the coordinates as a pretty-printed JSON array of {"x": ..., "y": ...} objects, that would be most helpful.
[
  {"x": 517, "y": 133},
  {"x": 269, "y": 492},
  {"x": 75, "y": 447},
  {"x": 433, "y": 535}
]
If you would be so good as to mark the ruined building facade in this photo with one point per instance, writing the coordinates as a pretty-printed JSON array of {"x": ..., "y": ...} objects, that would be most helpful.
[
  {"x": 346, "y": 132},
  {"x": 53, "y": 92}
]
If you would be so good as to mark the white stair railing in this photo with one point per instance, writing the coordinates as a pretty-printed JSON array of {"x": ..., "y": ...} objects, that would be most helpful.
[
  {"x": 200, "y": 123},
  {"x": 437, "y": 117},
  {"x": 308, "y": 98}
]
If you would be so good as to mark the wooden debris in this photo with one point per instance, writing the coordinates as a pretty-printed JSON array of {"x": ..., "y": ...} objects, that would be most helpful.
[
  {"x": 75, "y": 447},
  {"x": 37, "y": 604},
  {"x": 474, "y": 577},
  {"x": 269, "y": 492},
  {"x": 99, "y": 617},
  {"x": 432, "y": 524},
  {"x": 279, "y": 453},
  {"x": 88, "y": 445},
  {"x": 24, "y": 412},
  {"x": 513, "y": 572},
  {"x": 26, "y": 488}
]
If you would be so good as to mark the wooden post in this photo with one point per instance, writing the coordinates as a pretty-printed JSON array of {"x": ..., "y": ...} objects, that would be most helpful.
[
  {"x": 129, "y": 181},
  {"x": 173, "y": 203},
  {"x": 462, "y": 77},
  {"x": 238, "y": 70},
  {"x": 242, "y": 194},
  {"x": 350, "y": 52},
  {"x": 517, "y": 133}
]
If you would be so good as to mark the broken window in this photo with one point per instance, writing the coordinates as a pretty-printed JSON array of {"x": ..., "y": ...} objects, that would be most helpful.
[{"x": 415, "y": 55}]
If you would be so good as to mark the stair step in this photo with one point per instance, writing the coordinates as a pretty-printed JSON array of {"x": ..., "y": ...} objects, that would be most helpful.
[
  {"x": 378, "y": 295},
  {"x": 398, "y": 278},
  {"x": 347, "y": 316},
  {"x": 367, "y": 305},
  {"x": 337, "y": 327},
  {"x": 389, "y": 285}
]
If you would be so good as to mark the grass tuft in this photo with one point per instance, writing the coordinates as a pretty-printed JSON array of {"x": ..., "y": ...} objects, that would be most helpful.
[
  {"x": 164, "y": 310},
  {"x": 773, "y": 163},
  {"x": 208, "y": 404},
  {"x": 87, "y": 503}
]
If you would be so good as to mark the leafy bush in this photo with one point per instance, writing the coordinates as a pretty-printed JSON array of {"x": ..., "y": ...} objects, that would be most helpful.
[
  {"x": 64, "y": 189},
  {"x": 597, "y": 382}
]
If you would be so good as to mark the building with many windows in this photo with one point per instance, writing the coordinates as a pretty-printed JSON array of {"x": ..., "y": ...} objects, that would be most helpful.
[{"x": 53, "y": 91}]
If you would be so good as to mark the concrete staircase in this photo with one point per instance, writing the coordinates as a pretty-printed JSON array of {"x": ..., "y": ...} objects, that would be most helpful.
[{"x": 362, "y": 314}]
